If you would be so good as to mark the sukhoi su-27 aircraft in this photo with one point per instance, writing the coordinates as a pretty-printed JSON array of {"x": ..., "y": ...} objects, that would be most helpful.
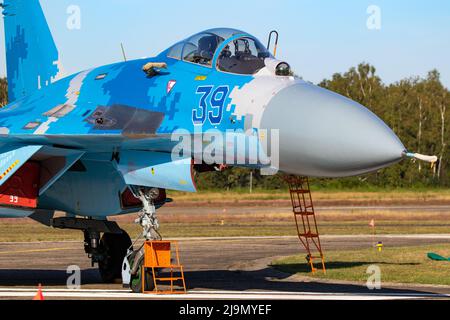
[{"x": 100, "y": 143}]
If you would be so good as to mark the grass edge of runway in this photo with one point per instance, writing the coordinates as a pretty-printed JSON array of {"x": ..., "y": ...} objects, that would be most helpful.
[
  {"x": 407, "y": 265},
  {"x": 26, "y": 231}
]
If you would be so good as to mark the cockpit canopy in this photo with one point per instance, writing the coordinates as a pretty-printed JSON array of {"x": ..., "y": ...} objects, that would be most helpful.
[{"x": 240, "y": 53}]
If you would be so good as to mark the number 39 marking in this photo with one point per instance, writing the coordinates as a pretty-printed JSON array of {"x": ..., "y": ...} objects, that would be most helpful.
[{"x": 211, "y": 108}]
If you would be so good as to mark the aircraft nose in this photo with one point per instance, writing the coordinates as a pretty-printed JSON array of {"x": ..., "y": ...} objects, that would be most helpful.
[{"x": 323, "y": 134}]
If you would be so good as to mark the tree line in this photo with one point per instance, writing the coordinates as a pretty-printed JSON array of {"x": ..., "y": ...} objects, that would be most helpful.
[{"x": 415, "y": 108}]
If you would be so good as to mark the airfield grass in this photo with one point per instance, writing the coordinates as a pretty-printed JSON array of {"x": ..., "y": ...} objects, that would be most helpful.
[
  {"x": 398, "y": 265},
  {"x": 27, "y": 231},
  {"x": 275, "y": 220},
  {"x": 378, "y": 195}
]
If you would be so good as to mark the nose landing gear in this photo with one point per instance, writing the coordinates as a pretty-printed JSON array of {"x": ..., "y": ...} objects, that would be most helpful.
[
  {"x": 134, "y": 260},
  {"x": 147, "y": 217}
]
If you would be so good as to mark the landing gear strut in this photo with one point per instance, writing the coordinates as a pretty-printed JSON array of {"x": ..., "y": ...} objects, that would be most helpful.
[
  {"x": 133, "y": 262},
  {"x": 147, "y": 217}
]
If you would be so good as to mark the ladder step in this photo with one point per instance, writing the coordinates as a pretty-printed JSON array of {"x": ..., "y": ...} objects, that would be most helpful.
[
  {"x": 316, "y": 258},
  {"x": 309, "y": 235},
  {"x": 169, "y": 279},
  {"x": 301, "y": 191},
  {"x": 304, "y": 213}
]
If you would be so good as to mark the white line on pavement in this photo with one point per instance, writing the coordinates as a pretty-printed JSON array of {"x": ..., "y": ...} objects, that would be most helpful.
[{"x": 216, "y": 295}]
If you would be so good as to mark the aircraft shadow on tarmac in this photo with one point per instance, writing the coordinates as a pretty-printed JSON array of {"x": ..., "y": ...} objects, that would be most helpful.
[
  {"x": 266, "y": 279},
  {"x": 33, "y": 277},
  {"x": 305, "y": 268}
]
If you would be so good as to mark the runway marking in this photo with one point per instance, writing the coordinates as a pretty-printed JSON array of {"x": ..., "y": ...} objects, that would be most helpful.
[
  {"x": 209, "y": 295},
  {"x": 197, "y": 297},
  {"x": 99, "y": 293},
  {"x": 329, "y": 237},
  {"x": 36, "y": 250},
  {"x": 387, "y": 208}
]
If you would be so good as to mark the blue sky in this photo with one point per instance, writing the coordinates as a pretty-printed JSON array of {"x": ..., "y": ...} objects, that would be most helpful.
[{"x": 318, "y": 37}]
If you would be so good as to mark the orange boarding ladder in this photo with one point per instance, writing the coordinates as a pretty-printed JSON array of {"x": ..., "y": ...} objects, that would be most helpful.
[
  {"x": 158, "y": 256},
  {"x": 305, "y": 219}
]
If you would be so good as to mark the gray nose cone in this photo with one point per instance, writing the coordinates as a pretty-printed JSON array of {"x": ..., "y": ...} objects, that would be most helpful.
[{"x": 323, "y": 134}]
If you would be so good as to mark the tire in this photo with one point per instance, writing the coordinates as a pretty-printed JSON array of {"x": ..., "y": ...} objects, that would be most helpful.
[
  {"x": 115, "y": 247},
  {"x": 136, "y": 281}
]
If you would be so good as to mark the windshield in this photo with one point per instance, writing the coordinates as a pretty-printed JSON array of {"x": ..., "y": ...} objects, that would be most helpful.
[{"x": 200, "y": 49}]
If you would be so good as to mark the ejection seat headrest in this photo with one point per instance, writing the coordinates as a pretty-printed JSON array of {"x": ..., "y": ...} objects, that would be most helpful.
[{"x": 207, "y": 45}]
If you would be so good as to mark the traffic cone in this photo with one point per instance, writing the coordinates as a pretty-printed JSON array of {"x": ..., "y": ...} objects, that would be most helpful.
[{"x": 39, "y": 296}]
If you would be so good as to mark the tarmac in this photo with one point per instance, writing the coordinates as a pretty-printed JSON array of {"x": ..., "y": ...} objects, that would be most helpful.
[{"x": 215, "y": 268}]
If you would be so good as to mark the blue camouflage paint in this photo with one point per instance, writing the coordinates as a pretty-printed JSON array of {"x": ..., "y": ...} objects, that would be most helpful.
[
  {"x": 126, "y": 84},
  {"x": 31, "y": 52},
  {"x": 163, "y": 171}
]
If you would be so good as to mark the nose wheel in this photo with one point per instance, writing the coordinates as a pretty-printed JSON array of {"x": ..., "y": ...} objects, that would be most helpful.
[{"x": 136, "y": 279}]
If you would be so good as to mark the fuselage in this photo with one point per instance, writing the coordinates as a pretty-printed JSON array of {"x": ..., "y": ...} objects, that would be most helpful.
[{"x": 321, "y": 133}]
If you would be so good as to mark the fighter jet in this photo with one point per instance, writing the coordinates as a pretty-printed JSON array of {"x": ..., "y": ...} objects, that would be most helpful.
[{"x": 111, "y": 140}]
